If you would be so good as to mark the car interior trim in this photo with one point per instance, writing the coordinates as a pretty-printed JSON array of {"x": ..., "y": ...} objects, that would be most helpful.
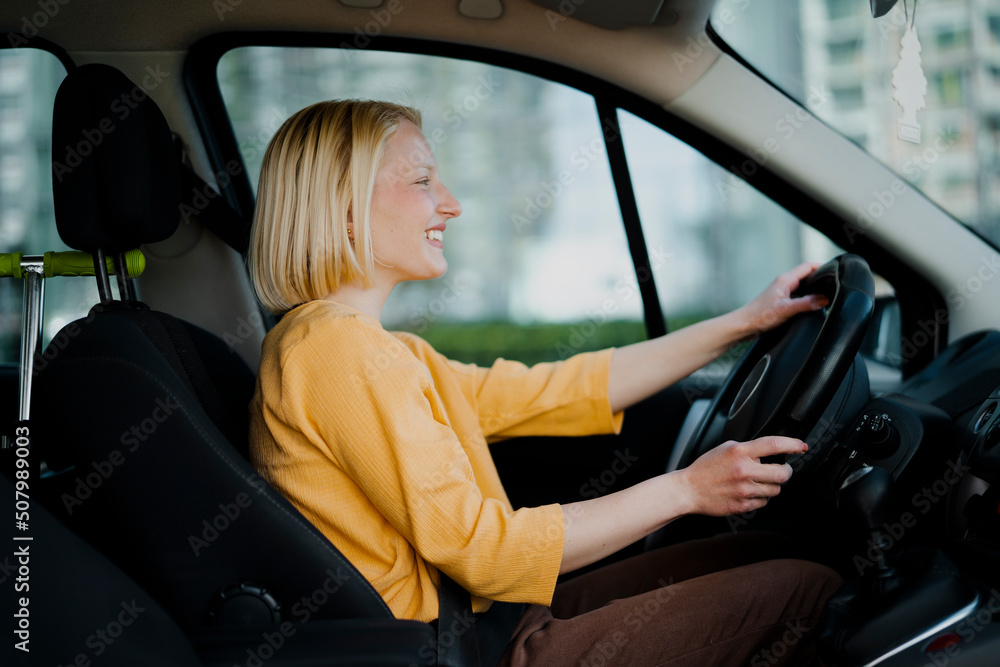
[{"x": 958, "y": 616}]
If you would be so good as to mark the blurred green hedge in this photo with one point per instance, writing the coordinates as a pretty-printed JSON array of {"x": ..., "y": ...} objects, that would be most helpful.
[{"x": 482, "y": 342}]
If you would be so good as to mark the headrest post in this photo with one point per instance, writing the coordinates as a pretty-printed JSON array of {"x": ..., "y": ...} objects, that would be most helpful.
[
  {"x": 125, "y": 290},
  {"x": 103, "y": 282}
]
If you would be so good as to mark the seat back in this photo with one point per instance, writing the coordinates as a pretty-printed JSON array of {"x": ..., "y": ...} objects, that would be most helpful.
[
  {"x": 184, "y": 511},
  {"x": 82, "y": 590},
  {"x": 151, "y": 411}
]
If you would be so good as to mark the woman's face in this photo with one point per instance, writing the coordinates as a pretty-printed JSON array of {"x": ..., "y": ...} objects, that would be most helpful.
[{"x": 409, "y": 210}]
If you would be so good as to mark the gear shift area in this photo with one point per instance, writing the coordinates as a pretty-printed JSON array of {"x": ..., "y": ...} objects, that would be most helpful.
[
  {"x": 865, "y": 495},
  {"x": 901, "y": 601}
]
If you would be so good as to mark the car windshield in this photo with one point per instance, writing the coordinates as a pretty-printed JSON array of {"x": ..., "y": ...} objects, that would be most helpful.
[{"x": 838, "y": 61}]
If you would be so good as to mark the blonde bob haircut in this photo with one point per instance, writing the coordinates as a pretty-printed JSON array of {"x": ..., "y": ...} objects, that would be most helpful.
[{"x": 319, "y": 173}]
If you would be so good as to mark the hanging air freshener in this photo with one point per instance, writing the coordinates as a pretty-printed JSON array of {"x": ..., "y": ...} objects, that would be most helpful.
[{"x": 908, "y": 80}]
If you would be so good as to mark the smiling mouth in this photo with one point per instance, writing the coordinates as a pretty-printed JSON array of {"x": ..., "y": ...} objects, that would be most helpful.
[{"x": 434, "y": 234}]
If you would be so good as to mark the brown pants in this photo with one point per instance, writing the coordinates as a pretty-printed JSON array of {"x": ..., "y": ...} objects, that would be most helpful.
[{"x": 702, "y": 603}]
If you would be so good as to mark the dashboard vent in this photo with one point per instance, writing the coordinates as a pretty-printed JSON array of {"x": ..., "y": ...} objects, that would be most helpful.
[{"x": 985, "y": 416}]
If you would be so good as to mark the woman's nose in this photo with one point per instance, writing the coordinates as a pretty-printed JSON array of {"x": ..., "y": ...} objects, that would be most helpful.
[{"x": 448, "y": 205}]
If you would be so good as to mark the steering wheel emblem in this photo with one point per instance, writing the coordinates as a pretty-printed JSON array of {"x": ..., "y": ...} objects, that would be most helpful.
[{"x": 750, "y": 385}]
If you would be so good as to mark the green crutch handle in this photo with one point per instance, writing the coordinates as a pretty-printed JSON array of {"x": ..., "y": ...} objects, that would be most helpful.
[
  {"x": 70, "y": 263},
  {"x": 10, "y": 264},
  {"x": 75, "y": 263}
]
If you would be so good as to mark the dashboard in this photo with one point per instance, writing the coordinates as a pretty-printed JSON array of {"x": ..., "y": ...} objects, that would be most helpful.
[
  {"x": 926, "y": 574},
  {"x": 938, "y": 436}
]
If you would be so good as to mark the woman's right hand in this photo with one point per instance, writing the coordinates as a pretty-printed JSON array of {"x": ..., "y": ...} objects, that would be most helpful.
[{"x": 730, "y": 479}]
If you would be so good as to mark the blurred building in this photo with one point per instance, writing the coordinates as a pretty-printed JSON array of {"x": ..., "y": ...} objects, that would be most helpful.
[{"x": 957, "y": 163}]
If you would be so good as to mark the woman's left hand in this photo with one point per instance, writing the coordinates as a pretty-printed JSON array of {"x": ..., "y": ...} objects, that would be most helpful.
[
  {"x": 775, "y": 304},
  {"x": 641, "y": 369}
]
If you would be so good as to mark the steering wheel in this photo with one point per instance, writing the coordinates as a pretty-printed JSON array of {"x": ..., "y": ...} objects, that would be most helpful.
[{"x": 789, "y": 375}]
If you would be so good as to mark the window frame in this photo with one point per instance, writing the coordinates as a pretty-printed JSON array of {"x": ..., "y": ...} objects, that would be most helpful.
[
  {"x": 918, "y": 300},
  {"x": 7, "y": 38},
  {"x": 39, "y": 43}
]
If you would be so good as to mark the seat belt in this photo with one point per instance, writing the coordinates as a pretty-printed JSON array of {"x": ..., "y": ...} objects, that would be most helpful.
[
  {"x": 201, "y": 200},
  {"x": 457, "y": 643},
  {"x": 465, "y": 639}
]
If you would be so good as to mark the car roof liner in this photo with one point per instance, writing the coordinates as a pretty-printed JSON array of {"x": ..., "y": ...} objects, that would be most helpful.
[{"x": 612, "y": 14}]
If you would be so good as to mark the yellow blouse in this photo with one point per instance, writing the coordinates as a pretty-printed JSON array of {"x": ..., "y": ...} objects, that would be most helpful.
[{"x": 381, "y": 442}]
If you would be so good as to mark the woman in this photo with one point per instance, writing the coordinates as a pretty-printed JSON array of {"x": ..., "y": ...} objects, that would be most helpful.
[{"x": 381, "y": 442}]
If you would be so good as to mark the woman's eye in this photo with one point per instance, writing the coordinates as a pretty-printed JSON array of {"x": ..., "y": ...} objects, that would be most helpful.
[{"x": 424, "y": 181}]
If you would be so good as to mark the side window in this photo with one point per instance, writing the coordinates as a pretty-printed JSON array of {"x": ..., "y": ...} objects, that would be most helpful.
[
  {"x": 539, "y": 267},
  {"x": 29, "y": 79},
  {"x": 714, "y": 241}
]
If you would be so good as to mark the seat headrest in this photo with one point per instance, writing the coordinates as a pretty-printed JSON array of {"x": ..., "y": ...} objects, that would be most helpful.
[{"x": 115, "y": 175}]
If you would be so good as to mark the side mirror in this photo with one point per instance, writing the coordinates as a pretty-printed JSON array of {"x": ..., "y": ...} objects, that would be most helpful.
[{"x": 882, "y": 342}]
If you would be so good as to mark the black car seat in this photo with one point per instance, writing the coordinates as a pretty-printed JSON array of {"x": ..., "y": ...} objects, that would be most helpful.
[
  {"x": 81, "y": 604},
  {"x": 151, "y": 413}
]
